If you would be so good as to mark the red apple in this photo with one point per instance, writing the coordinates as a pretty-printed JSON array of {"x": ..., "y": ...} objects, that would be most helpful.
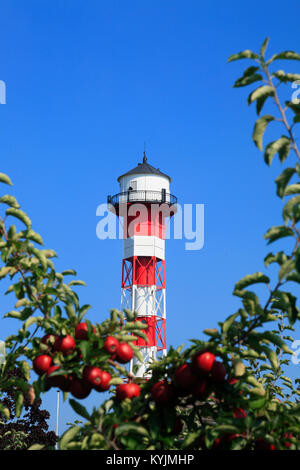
[
  {"x": 65, "y": 344},
  {"x": 239, "y": 413},
  {"x": 48, "y": 340},
  {"x": 111, "y": 345},
  {"x": 162, "y": 392},
  {"x": 217, "y": 443},
  {"x": 66, "y": 383},
  {"x": 288, "y": 443},
  {"x": 104, "y": 384},
  {"x": 42, "y": 363},
  {"x": 124, "y": 353},
  {"x": 260, "y": 444},
  {"x": 56, "y": 380},
  {"x": 203, "y": 362},
  {"x": 129, "y": 390},
  {"x": 184, "y": 377},
  {"x": 81, "y": 331},
  {"x": 218, "y": 371},
  {"x": 79, "y": 388},
  {"x": 232, "y": 381},
  {"x": 177, "y": 428},
  {"x": 200, "y": 389},
  {"x": 92, "y": 375}
]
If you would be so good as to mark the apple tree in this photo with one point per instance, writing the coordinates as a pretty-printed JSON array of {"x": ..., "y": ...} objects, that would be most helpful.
[{"x": 227, "y": 391}]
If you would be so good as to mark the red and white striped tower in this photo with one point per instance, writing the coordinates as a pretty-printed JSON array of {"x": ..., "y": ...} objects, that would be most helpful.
[{"x": 144, "y": 204}]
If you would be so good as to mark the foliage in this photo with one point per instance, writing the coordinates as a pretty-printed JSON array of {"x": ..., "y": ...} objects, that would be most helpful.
[
  {"x": 31, "y": 428},
  {"x": 240, "y": 411}
]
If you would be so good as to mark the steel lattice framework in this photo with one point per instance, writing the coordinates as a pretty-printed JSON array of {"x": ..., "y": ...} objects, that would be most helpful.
[{"x": 154, "y": 296}]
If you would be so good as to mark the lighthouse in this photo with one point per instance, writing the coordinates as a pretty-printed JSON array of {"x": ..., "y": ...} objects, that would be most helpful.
[{"x": 144, "y": 204}]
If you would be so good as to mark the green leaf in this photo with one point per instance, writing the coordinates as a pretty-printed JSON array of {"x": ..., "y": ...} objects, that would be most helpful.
[
  {"x": 257, "y": 403},
  {"x": 4, "y": 271},
  {"x": 251, "y": 279},
  {"x": 10, "y": 201},
  {"x": 5, "y": 179},
  {"x": 251, "y": 303},
  {"x": 191, "y": 438},
  {"x": 286, "y": 268},
  {"x": 279, "y": 258},
  {"x": 211, "y": 332},
  {"x": 70, "y": 311},
  {"x": 82, "y": 311},
  {"x": 76, "y": 283},
  {"x": 49, "y": 253},
  {"x": 25, "y": 369},
  {"x": 260, "y": 101},
  {"x": 19, "y": 215},
  {"x": 19, "y": 400},
  {"x": 297, "y": 261},
  {"x": 292, "y": 189},
  {"x": 283, "y": 180},
  {"x": 251, "y": 380},
  {"x": 116, "y": 381},
  {"x": 239, "y": 368},
  {"x": 12, "y": 232},
  {"x": 274, "y": 338},
  {"x": 286, "y": 77},
  {"x": 259, "y": 130},
  {"x": 40, "y": 256},
  {"x": 141, "y": 334},
  {"x": 32, "y": 235},
  {"x": 85, "y": 348},
  {"x": 30, "y": 321},
  {"x": 293, "y": 106},
  {"x": 138, "y": 353},
  {"x": 36, "y": 447},
  {"x": 226, "y": 428},
  {"x": 272, "y": 356},
  {"x": 264, "y": 47},
  {"x": 129, "y": 314},
  {"x": 246, "y": 54},
  {"x": 294, "y": 277},
  {"x": 296, "y": 119},
  {"x": 281, "y": 146},
  {"x": 69, "y": 272},
  {"x": 228, "y": 322},
  {"x": 4, "y": 411},
  {"x": 287, "y": 379},
  {"x": 68, "y": 436},
  {"x": 261, "y": 92},
  {"x": 275, "y": 233},
  {"x": 285, "y": 55},
  {"x": 125, "y": 428},
  {"x": 290, "y": 208},
  {"x": 79, "y": 409},
  {"x": 286, "y": 302},
  {"x": 248, "y": 78},
  {"x": 13, "y": 314}
]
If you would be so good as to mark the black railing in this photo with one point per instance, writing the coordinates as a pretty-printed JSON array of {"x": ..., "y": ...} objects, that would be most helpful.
[{"x": 142, "y": 196}]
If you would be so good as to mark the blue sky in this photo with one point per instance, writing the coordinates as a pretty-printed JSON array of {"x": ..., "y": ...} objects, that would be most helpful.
[{"x": 88, "y": 82}]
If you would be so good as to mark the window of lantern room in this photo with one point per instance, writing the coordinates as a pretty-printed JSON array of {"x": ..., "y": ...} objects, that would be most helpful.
[{"x": 132, "y": 186}]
